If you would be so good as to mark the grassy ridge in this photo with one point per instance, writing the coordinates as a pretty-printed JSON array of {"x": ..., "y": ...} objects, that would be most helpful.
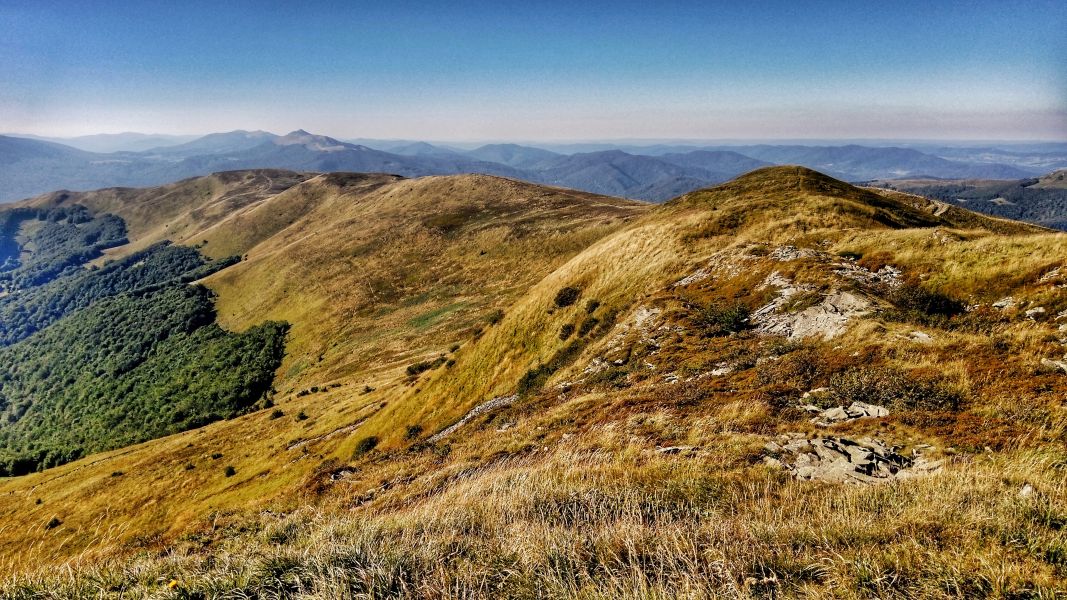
[{"x": 565, "y": 491}]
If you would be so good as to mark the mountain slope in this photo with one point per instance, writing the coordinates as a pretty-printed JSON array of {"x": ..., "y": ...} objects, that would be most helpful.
[
  {"x": 1035, "y": 200},
  {"x": 513, "y": 155},
  {"x": 630, "y": 412},
  {"x": 215, "y": 143},
  {"x": 117, "y": 142},
  {"x": 858, "y": 163}
]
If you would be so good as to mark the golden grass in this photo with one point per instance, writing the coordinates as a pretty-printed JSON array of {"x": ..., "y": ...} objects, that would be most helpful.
[{"x": 563, "y": 495}]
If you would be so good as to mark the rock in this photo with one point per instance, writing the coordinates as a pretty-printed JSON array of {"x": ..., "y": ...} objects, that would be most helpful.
[
  {"x": 1051, "y": 275},
  {"x": 1004, "y": 303},
  {"x": 839, "y": 414},
  {"x": 862, "y": 409},
  {"x": 920, "y": 337},
  {"x": 770, "y": 461},
  {"x": 815, "y": 392},
  {"x": 721, "y": 369},
  {"x": 844, "y": 460},
  {"x": 835, "y": 414},
  {"x": 1034, "y": 313},
  {"x": 886, "y": 277},
  {"x": 677, "y": 449},
  {"x": 1026, "y": 491},
  {"x": 481, "y": 409},
  {"x": 1054, "y": 364},
  {"x": 827, "y": 319}
]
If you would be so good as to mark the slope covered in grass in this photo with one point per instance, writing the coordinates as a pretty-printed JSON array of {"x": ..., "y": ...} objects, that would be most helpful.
[{"x": 609, "y": 420}]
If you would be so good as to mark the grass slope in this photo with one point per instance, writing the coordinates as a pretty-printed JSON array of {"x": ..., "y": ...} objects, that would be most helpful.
[{"x": 562, "y": 491}]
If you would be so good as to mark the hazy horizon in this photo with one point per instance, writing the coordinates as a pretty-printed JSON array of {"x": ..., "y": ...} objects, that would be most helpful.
[
  {"x": 551, "y": 72},
  {"x": 584, "y": 141}
]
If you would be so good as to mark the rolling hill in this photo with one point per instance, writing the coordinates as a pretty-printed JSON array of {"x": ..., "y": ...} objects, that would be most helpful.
[{"x": 777, "y": 386}]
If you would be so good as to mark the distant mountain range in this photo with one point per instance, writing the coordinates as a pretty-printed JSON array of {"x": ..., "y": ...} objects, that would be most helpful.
[{"x": 31, "y": 166}]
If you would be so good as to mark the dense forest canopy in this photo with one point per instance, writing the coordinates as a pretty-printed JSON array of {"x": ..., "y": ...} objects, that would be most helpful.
[
  {"x": 93, "y": 359},
  {"x": 57, "y": 241},
  {"x": 26, "y": 311},
  {"x": 1019, "y": 200}
]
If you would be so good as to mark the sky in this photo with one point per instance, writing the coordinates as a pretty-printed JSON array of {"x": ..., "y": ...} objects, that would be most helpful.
[{"x": 551, "y": 71}]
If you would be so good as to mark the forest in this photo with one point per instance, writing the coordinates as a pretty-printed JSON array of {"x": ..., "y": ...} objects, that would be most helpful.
[
  {"x": 1019, "y": 200},
  {"x": 98, "y": 358}
]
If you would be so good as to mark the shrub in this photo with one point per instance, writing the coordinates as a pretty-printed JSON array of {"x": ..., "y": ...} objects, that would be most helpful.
[
  {"x": 53, "y": 523},
  {"x": 276, "y": 414},
  {"x": 720, "y": 319},
  {"x": 365, "y": 445},
  {"x": 894, "y": 389},
  {"x": 587, "y": 326},
  {"x": 566, "y": 331},
  {"x": 535, "y": 378},
  {"x": 230, "y": 471},
  {"x": 423, "y": 366},
  {"x": 216, "y": 456},
  {"x": 567, "y": 296},
  {"x": 917, "y": 303},
  {"x": 413, "y": 432},
  {"x": 495, "y": 317},
  {"x": 301, "y": 416},
  {"x": 591, "y": 306}
]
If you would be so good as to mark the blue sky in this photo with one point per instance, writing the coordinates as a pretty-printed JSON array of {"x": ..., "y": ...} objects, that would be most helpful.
[{"x": 465, "y": 70}]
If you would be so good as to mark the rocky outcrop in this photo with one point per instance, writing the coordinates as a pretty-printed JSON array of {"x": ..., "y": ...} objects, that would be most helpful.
[
  {"x": 844, "y": 460},
  {"x": 841, "y": 414},
  {"x": 481, "y": 409}
]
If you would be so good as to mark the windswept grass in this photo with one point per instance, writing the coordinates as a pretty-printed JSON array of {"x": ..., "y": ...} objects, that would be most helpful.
[
  {"x": 589, "y": 524},
  {"x": 563, "y": 492}
]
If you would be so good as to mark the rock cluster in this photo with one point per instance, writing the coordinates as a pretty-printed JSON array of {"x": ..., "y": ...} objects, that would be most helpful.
[
  {"x": 844, "y": 460},
  {"x": 840, "y": 414}
]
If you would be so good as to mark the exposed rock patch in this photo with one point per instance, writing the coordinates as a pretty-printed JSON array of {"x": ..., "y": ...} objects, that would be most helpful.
[
  {"x": 1060, "y": 365},
  {"x": 481, "y": 409},
  {"x": 888, "y": 276},
  {"x": 827, "y": 319},
  {"x": 1004, "y": 303},
  {"x": 842, "y": 414},
  {"x": 788, "y": 253},
  {"x": 844, "y": 460}
]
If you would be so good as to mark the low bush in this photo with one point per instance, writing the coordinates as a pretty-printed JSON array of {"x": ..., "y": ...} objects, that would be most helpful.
[
  {"x": 567, "y": 296},
  {"x": 365, "y": 445},
  {"x": 721, "y": 319},
  {"x": 916, "y": 303},
  {"x": 895, "y": 389}
]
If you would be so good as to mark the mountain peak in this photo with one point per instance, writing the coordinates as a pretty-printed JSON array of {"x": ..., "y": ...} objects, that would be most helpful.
[{"x": 318, "y": 143}]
